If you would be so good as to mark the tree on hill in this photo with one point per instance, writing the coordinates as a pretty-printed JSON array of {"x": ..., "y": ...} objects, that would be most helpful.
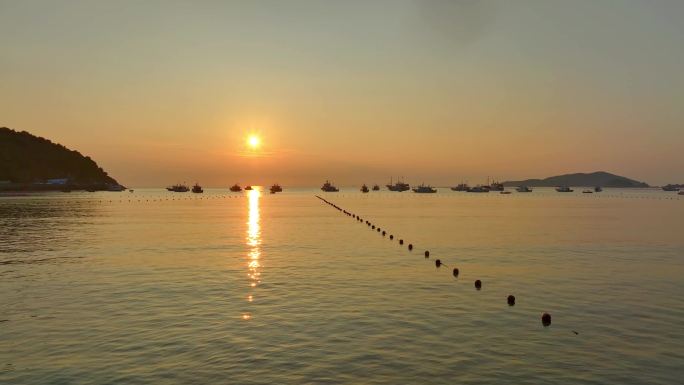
[{"x": 26, "y": 158}]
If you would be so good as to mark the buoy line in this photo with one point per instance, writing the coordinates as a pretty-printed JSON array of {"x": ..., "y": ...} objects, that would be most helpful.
[{"x": 510, "y": 300}]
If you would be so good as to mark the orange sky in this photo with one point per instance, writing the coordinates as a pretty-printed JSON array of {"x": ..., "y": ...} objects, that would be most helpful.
[{"x": 439, "y": 92}]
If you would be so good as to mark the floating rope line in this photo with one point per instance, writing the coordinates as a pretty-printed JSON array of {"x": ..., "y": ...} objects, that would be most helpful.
[{"x": 510, "y": 300}]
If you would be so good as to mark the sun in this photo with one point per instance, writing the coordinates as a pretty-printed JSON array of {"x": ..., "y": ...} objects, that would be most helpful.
[{"x": 253, "y": 142}]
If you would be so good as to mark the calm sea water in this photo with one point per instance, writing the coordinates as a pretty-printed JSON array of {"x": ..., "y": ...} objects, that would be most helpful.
[{"x": 153, "y": 287}]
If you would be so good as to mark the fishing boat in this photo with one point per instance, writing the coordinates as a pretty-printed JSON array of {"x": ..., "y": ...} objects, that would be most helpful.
[
  {"x": 504, "y": 192},
  {"x": 197, "y": 189},
  {"x": 376, "y": 187},
  {"x": 587, "y": 192},
  {"x": 276, "y": 188},
  {"x": 671, "y": 187},
  {"x": 248, "y": 188},
  {"x": 479, "y": 189},
  {"x": 399, "y": 186},
  {"x": 328, "y": 187},
  {"x": 178, "y": 188},
  {"x": 523, "y": 189},
  {"x": 364, "y": 189},
  {"x": 235, "y": 188},
  {"x": 496, "y": 186},
  {"x": 680, "y": 193},
  {"x": 598, "y": 189},
  {"x": 423, "y": 189},
  {"x": 461, "y": 187},
  {"x": 564, "y": 189}
]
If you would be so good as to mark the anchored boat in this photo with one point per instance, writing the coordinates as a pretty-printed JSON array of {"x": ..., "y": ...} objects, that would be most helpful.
[
  {"x": 479, "y": 189},
  {"x": 399, "y": 186},
  {"x": 276, "y": 188},
  {"x": 235, "y": 188},
  {"x": 328, "y": 187},
  {"x": 364, "y": 189},
  {"x": 461, "y": 187},
  {"x": 178, "y": 188},
  {"x": 564, "y": 189},
  {"x": 423, "y": 189},
  {"x": 197, "y": 189},
  {"x": 523, "y": 189}
]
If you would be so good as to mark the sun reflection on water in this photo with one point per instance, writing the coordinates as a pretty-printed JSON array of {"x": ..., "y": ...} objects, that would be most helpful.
[{"x": 253, "y": 241}]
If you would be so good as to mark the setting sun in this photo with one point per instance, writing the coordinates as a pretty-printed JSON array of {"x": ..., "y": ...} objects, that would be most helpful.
[{"x": 253, "y": 142}]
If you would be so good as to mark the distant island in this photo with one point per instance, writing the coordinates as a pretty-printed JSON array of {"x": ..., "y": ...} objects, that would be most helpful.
[
  {"x": 32, "y": 163},
  {"x": 599, "y": 178}
]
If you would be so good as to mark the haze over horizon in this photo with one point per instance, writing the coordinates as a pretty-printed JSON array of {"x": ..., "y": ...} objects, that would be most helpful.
[{"x": 159, "y": 92}]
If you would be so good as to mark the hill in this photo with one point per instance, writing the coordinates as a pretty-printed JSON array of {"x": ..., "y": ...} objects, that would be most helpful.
[
  {"x": 599, "y": 178},
  {"x": 28, "y": 162}
]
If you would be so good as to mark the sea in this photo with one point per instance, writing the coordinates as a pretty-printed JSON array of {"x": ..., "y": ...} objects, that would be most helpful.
[{"x": 156, "y": 287}]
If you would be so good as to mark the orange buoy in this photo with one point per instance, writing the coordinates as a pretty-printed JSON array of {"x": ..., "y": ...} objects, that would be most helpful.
[{"x": 478, "y": 284}]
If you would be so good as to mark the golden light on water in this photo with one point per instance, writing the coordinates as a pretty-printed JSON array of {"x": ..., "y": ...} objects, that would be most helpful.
[{"x": 253, "y": 241}]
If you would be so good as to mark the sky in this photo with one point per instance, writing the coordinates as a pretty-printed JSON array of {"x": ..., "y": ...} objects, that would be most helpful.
[{"x": 439, "y": 91}]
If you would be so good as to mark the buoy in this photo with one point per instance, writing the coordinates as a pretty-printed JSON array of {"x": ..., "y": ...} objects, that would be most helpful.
[
  {"x": 383, "y": 233},
  {"x": 546, "y": 319},
  {"x": 478, "y": 284},
  {"x": 410, "y": 246},
  {"x": 438, "y": 263},
  {"x": 373, "y": 227},
  {"x": 427, "y": 254},
  {"x": 378, "y": 229},
  {"x": 391, "y": 236},
  {"x": 455, "y": 272},
  {"x": 511, "y": 300},
  {"x": 401, "y": 241}
]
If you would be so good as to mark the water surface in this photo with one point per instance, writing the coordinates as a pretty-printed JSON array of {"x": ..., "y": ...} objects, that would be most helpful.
[{"x": 154, "y": 287}]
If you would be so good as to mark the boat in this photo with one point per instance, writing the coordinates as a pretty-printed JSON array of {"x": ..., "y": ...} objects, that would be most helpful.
[
  {"x": 328, "y": 187},
  {"x": 587, "y": 192},
  {"x": 399, "y": 186},
  {"x": 423, "y": 189},
  {"x": 197, "y": 189},
  {"x": 364, "y": 189},
  {"x": 598, "y": 189},
  {"x": 564, "y": 189},
  {"x": 235, "y": 188},
  {"x": 376, "y": 187},
  {"x": 248, "y": 188},
  {"x": 178, "y": 188},
  {"x": 496, "y": 186},
  {"x": 671, "y": 187},
  {"x": 523, "y": 189},
  {"x": 461, "y": 187},
  {"x": 131, "y": 190},
  {"x": 479, "y": 189},
  {"x": 276, "y": 188},
  {"x": 680, "y": 193},
  {"x": 504, "y": 192}
]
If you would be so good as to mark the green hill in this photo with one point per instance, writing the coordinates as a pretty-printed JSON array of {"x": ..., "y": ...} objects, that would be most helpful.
[
  {"x": 599, "y": 178},
  {"x": 28, "y": 162}
]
